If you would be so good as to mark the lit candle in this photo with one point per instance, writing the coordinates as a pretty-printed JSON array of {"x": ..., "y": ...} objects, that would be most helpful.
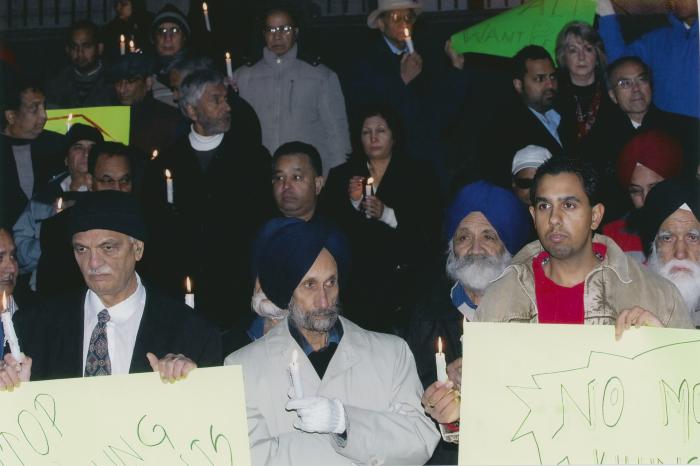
[
  {"x": 229, "y": 70},
  {"x": 409, "y": 41},
  {"x": 154, "y": 154},
  {"x": 132, "y": 46},
  {"x": 59, "y": 205},
  {"x": 122, "y": 44},
  {"x": 189, "y": 297},
  {"x": 9, "y": 328},
  {"x": 440, "y": 363},
  {"x": 169, "y": 186},
  {"x": 369, "y": 191},
  {"x": 294, "y": 374},
  {"x": 206, "y": 16},
  {"x": 70, "y": 117}
]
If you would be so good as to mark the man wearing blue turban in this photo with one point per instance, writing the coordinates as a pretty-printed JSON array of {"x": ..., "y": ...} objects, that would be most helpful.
[{"x": 355, "y": 394}]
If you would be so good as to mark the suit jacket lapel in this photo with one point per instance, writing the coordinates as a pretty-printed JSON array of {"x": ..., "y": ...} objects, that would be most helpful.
[{"x": 147, "y": 338}]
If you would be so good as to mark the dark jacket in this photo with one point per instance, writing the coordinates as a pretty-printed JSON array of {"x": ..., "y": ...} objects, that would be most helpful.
[
  {"x": 52, "y": 334},
  {"x": 155, "y": 125},
  {"x": 386, "y": 262},
  {"x": 47, "y": 152},
  {"x": 68, "y": 89},
  {"x": 206, "y": 233}
]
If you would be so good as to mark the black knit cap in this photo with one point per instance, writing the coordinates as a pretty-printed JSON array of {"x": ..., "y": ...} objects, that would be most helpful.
[
  {"x": 663, "y": 200},
  {"x": 170, "y": 14},
  {"x": 81, "y": 132},
  {"x": 132, "y": 65},
  {"x": 108, "y": 210}
]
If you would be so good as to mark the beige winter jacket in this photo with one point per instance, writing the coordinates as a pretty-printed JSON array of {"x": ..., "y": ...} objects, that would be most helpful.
[{"x": 618, "y": 283}]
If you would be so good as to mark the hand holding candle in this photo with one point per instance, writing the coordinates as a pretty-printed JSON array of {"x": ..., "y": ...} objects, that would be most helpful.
[
  {"x": 294, "y": 375},
  {"x": 229, "y": 69},
  {"x": 189, "y": 297},
  {"x": 9, "y": 328},
  {"x": 440, "y": 363},
  {"x": 409, "y": 41},
  {"x": 169, "y": 186},
  {"x": 205, "y": 10}
]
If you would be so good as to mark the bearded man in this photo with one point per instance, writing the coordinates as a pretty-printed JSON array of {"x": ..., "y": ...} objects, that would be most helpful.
[
  {"x": 671, "y": 233},
  {"x": 357, "y": 395}
]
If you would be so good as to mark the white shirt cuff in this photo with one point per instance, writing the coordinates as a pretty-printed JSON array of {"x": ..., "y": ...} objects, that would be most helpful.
[
  {"x": 389, "y": 217},
  {"x": 356, "y": 204}
]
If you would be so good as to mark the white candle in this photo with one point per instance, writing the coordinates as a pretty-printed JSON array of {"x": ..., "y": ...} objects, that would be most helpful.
[
  {"x": 294, "y": 375},
  {"x": 369, "y": 190},
  {"x": 70, "y": 117},
  {"x": 189, "y": 297},
  {"x": 122, "y": 44},
  {"x": 169, "y": 186},
  {"x": 154, "y": 154},
  {"x": 9, "y": 329},
  {"x": 440, "y": 363},
  {"x": 59, "y": 205},
  {"x": 229, "y": 70},
  {"x": 206, "y": 16},
  {"x": 132, "y": 46},
  {"x": 409, "y": 41}
]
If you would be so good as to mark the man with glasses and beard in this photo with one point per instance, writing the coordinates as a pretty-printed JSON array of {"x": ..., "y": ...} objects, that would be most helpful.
[
  {"x": 356, "y": 399},
  {"x": 671, "y": 230},
  {"x": 486, "y": 226}
]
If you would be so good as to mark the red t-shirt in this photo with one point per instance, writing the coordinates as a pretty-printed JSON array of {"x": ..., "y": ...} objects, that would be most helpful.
[{"x": 558, "y": 304}]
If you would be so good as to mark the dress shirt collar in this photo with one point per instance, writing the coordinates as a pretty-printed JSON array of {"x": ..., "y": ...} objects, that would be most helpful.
[
  {"x": 335, "y": 334},
  {"x": 394, "y": 49},
  {"x": 122, "y": 311}
]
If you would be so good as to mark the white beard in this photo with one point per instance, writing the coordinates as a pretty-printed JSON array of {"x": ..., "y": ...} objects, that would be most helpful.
[
  {"x": 476, "y": 272},
  {"x": 266, "y": 308},
  {"x": 687, "y": 283}
]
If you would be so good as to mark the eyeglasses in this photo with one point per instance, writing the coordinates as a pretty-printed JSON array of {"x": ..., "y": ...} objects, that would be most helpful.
[
  {"x": 396, "y": 17},
  {"x": 285, "y": 30},
  {"x": 628, "y": 83},
  {"x": 523, "y": 183},
  {"x": 168, "y": 31}
]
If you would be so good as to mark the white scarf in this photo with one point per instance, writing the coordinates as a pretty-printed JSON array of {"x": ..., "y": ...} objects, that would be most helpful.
[{"x": 204, "y": 143}]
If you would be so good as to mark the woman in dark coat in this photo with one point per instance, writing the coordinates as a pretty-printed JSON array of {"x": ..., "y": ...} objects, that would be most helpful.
[{"x": 393, "y": 226}]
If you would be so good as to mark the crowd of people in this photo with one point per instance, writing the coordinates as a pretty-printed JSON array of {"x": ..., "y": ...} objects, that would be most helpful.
[{"x": 316, "y": 213}]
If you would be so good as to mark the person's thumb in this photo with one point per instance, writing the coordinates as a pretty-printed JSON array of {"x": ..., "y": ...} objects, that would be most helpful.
[{"x": 153, "y": 361}]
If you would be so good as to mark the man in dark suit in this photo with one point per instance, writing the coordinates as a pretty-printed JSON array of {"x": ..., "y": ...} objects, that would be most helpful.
[
  {"x": 117, "y": 326},
  {"x": 531, "y": 119}
]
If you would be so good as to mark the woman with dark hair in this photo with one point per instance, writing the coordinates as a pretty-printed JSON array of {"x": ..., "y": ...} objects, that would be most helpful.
[
  {"x": 133, "y": 21},
  {"x": 393, "y": 223},
  {"x": 583, "y": 96}
]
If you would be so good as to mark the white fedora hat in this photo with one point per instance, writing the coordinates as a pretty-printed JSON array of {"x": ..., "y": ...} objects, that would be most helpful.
[{"x": 388, "y": 5}]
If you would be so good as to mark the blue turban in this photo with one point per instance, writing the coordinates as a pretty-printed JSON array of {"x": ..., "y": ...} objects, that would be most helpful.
[
  {"x": 500, "y": 207},
  {"x": 291, "y": 250}
]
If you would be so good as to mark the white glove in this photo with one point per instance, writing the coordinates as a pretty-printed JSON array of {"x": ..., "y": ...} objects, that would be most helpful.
[
  {"x": 605, "y": 8},
  {"x": 319, "y": 415}
]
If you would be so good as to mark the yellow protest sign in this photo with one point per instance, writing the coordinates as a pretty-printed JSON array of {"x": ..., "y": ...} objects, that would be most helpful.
[
  {"x": 127, "y": 419},
  {"x": 571, "y": 394},
  {"x": 113, "y": 122}
]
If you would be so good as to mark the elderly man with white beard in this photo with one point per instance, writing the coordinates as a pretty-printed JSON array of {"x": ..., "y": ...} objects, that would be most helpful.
[
  {"x": 485, "y": 225},
  {"x": 353, "y": 396},
  {"x": 671, "y": 232}
]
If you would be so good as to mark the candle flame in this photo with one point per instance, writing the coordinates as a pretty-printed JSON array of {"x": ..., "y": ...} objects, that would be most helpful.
[
  {"x": 439, "y": 345},
  {"x": 121, "y": 38},
  {"x": 204, "y": 7},
  {"x": 70, "y": 117},
  {"x": 407, "y": 32},
  {"x": 188, "y": 284},
  {"x": 154, "y": 154},
  {"x": 59, "y": 204},
  {"x": 167, "y": 174},
  {"x": 370, "y": 180},
  {"x": 228, "y": 56},
  {"x": 4, "y": 301},
  {"x": 131, "y": 44}
]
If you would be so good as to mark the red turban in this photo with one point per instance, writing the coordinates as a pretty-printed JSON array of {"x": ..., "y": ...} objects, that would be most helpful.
[{"x": 655, "y": 150}]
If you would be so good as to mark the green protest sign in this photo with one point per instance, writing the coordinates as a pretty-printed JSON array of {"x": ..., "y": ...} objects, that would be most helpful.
[
  {"x": 112, "y": 122},
  {"x": 536, "y": 22}
]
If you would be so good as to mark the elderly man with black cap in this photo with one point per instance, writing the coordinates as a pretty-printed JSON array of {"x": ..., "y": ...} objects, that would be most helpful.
[
  {"x": 117, "y": 325},
  {"x": 79, "y": 140},
  {"x": 355, "y": 394},
  {"x": 671, "y": 232},
  {"x": 486, "y": 225},
  {"x": 154, "y": 125}
]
